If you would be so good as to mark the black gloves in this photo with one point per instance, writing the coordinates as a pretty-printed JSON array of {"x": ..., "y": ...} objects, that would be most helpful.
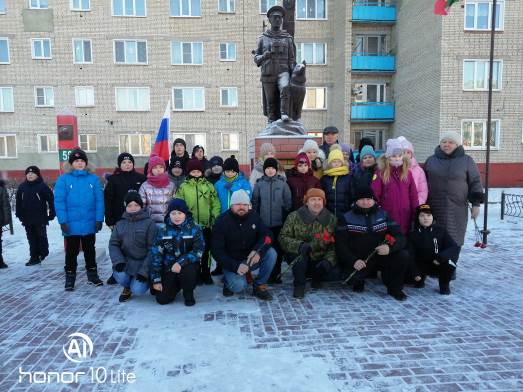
[
  {"x": 119, "y": 267},
  {"x": 141, "y": 278},
  {"x": 99, "y": 226},
  {"x": 64, "y": 227}
]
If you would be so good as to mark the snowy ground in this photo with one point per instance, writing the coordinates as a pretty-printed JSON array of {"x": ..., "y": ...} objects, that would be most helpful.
[{"x": 333, "y": 340}]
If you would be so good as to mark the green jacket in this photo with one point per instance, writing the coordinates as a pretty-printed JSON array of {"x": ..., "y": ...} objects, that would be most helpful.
[
  {"x": 202, "y": 200},
  {"x": 301, "y": 226}
]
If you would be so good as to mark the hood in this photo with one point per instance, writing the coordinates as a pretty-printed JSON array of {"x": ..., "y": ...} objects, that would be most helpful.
[{"x": 89, "y": 168}]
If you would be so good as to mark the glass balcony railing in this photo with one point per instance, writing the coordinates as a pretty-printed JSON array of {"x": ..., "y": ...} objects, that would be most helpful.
[
  {"x": 374, "y": 11},
  {"x": 373, "y": 62},
  {"x": 372, "y": 112}
]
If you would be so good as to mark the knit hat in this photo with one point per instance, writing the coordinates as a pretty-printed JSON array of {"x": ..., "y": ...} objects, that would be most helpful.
[
  {"x": 77, "y": 154},
  {"x": 33, "y": 169},
  {"x": 195, "y": 148},
  {"x": 367, "y": 150},
  {"x": 178, "y": 205},
  {"x": 123, "y": 156},
  {"x": 231, "y": 164},
  {"x": 132, "y": 195},
  {"x": 314, "y": 192},
  {"x": 155, "y": 160},
  {"x": 240, "y": 197},
  {"x": 266, "y": 148},
  {"x": 310, "y": 144},
  {"x": 176, "y": 162},
  {"x": 335, "y": 154},
  {"x": 194, "y": 164},
  {"x": 302, "y": 158},
  {"x": 181, "y": 141},
  {"x": 364, "y": 192},
  {"x": 423, "y": 208},
  {"x": 394, "y": 147},
  {"x": 215, "y": 161},
  {"x": 270, "y": 162},
  {"x": 406, "y": 144},
  {"x": 451, "y": 135},
  {"x": 330, "y": 129}
]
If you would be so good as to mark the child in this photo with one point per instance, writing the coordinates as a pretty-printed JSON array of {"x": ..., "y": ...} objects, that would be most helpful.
[
  {"x": 272, "y": 200},
  {"x": 5, "y": 216},
  {"x": 230, "y": 181},
  {"x": 336, "y": 183},
  {"x": 176, "y": 175},
  {"x": 300, "y": 179},
  {"x": 315, "y": 155},
  {"x": 35, "y": 209},
  {"x": 79, "y": 206},
  {"x": 198, "y": 152},
  {"x": 157, "y": 191},
  {"x": 203, "y": 202},
  {"x": 394, "y": 186},
  {"x": 364, "y": 171},
  {"x": 433, "y": 249},
  {"x": 176, "y": 255},
  {"x": 267, "y": 150},
  {"x": 417, "y": 172},
  {"x": 214, "y": 170},
  {"x": 130, "y": 247}
]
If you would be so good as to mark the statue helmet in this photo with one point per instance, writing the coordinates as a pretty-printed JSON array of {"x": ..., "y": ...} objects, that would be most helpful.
[{"x": 276, "y": 8}]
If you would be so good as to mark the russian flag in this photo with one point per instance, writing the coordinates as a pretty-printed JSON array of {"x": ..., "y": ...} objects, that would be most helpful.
[{"x": 161, "y": 146}]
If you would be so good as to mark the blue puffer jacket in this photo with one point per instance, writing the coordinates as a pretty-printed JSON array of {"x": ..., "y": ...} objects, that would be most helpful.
[
  {"x": 225, "y": 189},
  {"x": 79, "y": 202}
]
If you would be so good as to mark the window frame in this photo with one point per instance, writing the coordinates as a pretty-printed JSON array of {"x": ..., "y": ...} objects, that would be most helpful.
[
  {"x": 316, "y": 7},
  {"x": 41, "y": 40},
  {"x": 4, "y": 136},
  {"x": 142, "y": 153},
  {"x": 187, "y": 110},
  {"x": 325, "y": 98},
  {"x": 227, "y": 51},
  {"x": 487, "y": 76},
  {"x": 365, "y": 133},
  {"x": 483, "y": 147},
  {"x": 184, "y": 16},
  {"x": 4, "y": 10},
  {"x": 221, "y": 97},
  {"x": 192, "y": 52},
  {"x": 268, "y": 7},
  {"x": 489, "y": 16},
  {"x": 47, "y": 135},
  {"x": 39, "y": 5},
  {"x": 125, "y": 55},
  {"x": 71, "y": 6},
  {"x": 76, "y": 88},
  {"x": 134, "y": 8},
  {"x": 174, "y": 135},
  {"x": 314, "y": 45},
  {"x": 6, "y": 39},
  {"x": 36, "y": 96},
  {"x": 88, "y": 149},
  {"x": 228, "y": 4},
  {"x": 237, "y": 134},
  {"x": 134, "y": 88},
  {"x": 365, "y": 96},
  {"x": 2, "y": 105},
  {"x": 83, "y": 50}
]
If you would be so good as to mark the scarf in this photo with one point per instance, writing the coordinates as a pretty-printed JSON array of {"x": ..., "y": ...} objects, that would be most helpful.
[
  {"x": 160, "y": 181},
  {"x": 336, "y": 172}
]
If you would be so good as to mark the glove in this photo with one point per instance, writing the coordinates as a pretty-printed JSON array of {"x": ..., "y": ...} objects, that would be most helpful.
[
  {"x": 99, "y": 226},
  {"x": 141, "y": 278},
  {"x": 119, "y": 267},
  {"x": 64, "y": 227},
  {"x": 305, "y": 249}
]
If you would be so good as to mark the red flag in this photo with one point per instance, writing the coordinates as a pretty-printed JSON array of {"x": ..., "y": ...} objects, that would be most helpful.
[{"x": 440, "y": 7}]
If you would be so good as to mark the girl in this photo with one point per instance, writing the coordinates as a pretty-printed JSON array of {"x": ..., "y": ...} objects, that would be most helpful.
[
  {"x": 315, "y": 155},
  {"x": 336, "y": 183},
  {"x": 417, "y": 172},
  {"x": 300, "y": 179}
]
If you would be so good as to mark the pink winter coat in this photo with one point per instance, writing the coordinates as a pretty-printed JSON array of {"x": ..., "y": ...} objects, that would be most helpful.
[
  {"x": 156, "y": 200},
  {"x": 420, "y": 180},
  {"x": 399, "y": 198}
]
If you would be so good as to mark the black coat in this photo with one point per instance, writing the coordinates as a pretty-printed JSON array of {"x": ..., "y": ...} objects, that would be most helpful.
[
  {"x": 117, "y": 187},
  {"x": 34, "y": 203},
  {"x": 338, "y": 199},
  {"x": 5, "y": 206},
  {"x": 233, "y": 238},
  {"x": 361, "y": 177},
  {"x": 432, "y": 243},
  {"x": 184, "y": 159}
]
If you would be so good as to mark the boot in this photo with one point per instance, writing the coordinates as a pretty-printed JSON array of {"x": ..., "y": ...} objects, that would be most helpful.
[
  {"x": 111, "y": 280},
  {"x": 34, "y": 260},
  {"x": 419, "y": 284},
  {"x": 299, "y": 292},
  {"x": 397, "y": 295},
  {"x": 2, "y": 264},
  {"x": 226, "y": 292},
  {"x": 92, "y": 277},
  {"x": 126, "y": 295},
  {"x": 261, "y": 291},
  {"x": 188, "y": 297},
  {"x": 444, "y": 288},
  {"x": 359, "y": 287},
  {"x": 205, "y": 275},
  {"x": 70, "y": 278}
]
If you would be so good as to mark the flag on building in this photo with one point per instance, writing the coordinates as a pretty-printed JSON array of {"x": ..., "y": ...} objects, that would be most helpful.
[
  {"x": 442, "y": 6},
  {"x": 161, "y": 145}
]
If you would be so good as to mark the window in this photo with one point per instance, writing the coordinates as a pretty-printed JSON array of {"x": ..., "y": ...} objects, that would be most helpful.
[
  {"x": 41, "y": 48},
  {"x": 192, "y": 139},
  {"x": 230, "y": 142},
  {"x": 227, "y": 51},
  {"x": 130, "y": 52},
  {"x": 44, "y": 97},
  {"x": 38, "y": 4},
  {"x": 186, "y": 53},
  {"x": 138, "y": 144},
  {"x": 476, "y": 75},
  {"x": 189, "y": 98},
  {"x": 229, "y": 97},
  {"x": 227, "y": 6},
  {"x": 311, "y": 9},
  {"x": 84, "y": 96},
  {"x": 370, "y": 92},
  {"x": 185, "y": 8},
  {"x": 474, "y": 134},
  {"x": 312, "y": 53},
  {"x": 370, "y": 45},
  {"x": 88, "y": 142},
  {"x": 8, "y": 146},
  {"x": 315, "y": 98},
  {"x": 80, "y": 5},
  {"x": 129, "y": 8},
  {"x": 4, "y": 50},
  {"x": 376, "y": 135},
  {"x": 2, "y": 6},
  {"x": 6, "y": 99},
  {"x": 478, "y": 15},
  {"x": 132, "y": 99},
  {"x": 82, "y": 51},
  {"x": 266, "y": 4},
  {"x": 47, "y": 143}
]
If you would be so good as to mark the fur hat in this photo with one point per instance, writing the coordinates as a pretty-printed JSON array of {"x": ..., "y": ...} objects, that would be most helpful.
[
  {"x": 240, "y": 197},
  {"x": 270, "y": 162},
  {"x": 314, "y": 192},
  {"x": 451, "y": 135},
  {"x": 77, "y": 154},
  {"x": 123, "y": 156},
  {"x": 33, "y": 169},
  {"x": 131, "y": 196},
  {"x": 194, "y": 164},
  {"x": 231, "y": 164}
]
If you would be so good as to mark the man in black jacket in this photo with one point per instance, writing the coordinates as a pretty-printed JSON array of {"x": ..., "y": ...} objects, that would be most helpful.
[
  {"x": 241, "y": 244},
  {"x": 5, "y": 216},
  {"x": 363, "y": 230}
]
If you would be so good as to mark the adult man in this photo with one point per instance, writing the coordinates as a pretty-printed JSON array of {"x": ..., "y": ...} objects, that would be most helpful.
[
  {"x": 308, "y": 233},
  {"x": 241, "y": 244},
  {"x": 275, "y": 54},
  {"x": 363, "y": 230},
  {"x": 330, "y": 137}
]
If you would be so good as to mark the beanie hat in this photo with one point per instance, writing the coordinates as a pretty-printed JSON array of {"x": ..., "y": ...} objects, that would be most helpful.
[
  {"x": 155, "y": 160},
  {"x": 132, "y": 195},
  {"x": 181, "y": 141},
  {"x": 176, "y": 162},
  {"x": 123, "y": 156},
  {"x": 335, "y": 154},
  {"x": 270, "y": 162},
  {"x": 196, "y": 148},
  {"x": 240, "y": 197},
  {"x": 215, "y": 161},
  {"x": 314, "y": 192},
  {"x": 367, "y": 150},
  {"x": 451, "y": 135},
  {"x": 331, "y": 129},
  {"x": 178, "y": 205},
  {"x": 194, "y": 164},
  {"x": 394, "y": 147},
  {"x": 231, "y": 164},
  {"x": 310, "y": 144},
  {"x": 406, "y": 144},
  {"x": 77, "y": 154},
  {"x": 267, "y": 148},
  {"x": 302, "y": 158},
  {"x": 364, "y": 192},
  {"x": 33, "y": 169}
]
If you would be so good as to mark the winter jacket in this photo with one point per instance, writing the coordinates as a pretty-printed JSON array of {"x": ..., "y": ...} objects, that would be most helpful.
[
  {"x": 257, "y": 172},
  {"x": 361, "y": 177},
  {"x": 177, "y": 181},
  {"x": 118, "y": 184},
  {"x": 338, "y": 194},
  {"x": 34, "y": 203},
  {"x": 272, "y": 200},
  {"x": 5, "y": 206},
  {"x": 182, "y": 244},
  {"x": 202, "y": 200},
  {"x": 360, "y": 231},
  {"x": 299, "y": 184},
  {"x": 318, "y": 231},
  {"x": 432, "y": 243},
  {"x": 156, "y": 200},
  {"x": 453, "y": 181},
  {"x": 399, "y": 198},
  {"x": 225, "y": 189},
  {"x": 131, "y": 242},
  {"x": 234, "y": 237},
  {"x": 420, "y": 180}
]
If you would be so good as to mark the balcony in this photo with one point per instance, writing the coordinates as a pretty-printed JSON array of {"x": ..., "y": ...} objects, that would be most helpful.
[
  {"x": 372, "y": 112},
  {"x": 373, "y": 62},
  {"x": 373, "y": 11}
]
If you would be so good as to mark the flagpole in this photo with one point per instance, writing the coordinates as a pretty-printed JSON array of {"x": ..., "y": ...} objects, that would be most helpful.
[{"x": 485, "y": 230}]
